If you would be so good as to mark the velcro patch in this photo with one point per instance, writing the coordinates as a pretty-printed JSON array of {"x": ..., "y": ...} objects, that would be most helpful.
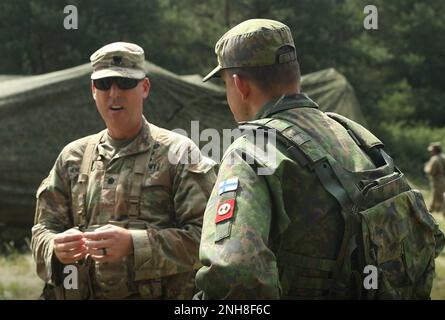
[{"x": 224, "y": 210}]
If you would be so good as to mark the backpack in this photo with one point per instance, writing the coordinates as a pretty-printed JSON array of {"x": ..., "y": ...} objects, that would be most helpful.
[{"x": 390, "y": 239}]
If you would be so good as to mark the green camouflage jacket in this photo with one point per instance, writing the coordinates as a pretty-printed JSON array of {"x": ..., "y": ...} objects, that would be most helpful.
[
  {"x": 171, "y": 205},
  {"x": 249, "y": 217}
]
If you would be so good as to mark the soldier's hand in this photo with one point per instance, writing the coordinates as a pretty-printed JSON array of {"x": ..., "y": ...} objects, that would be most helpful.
[
  {"x": 109, "y": 243},
  {"x": 69, "y": 246}
]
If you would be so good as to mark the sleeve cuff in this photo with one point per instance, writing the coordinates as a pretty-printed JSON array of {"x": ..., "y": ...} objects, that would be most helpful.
[
  {"x": 49, "y": 256},
  {"x": 141, "y": 252}
]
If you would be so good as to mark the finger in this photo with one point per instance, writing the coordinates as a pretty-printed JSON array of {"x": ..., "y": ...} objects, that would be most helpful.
[
  {"x": 68, "y": 246},
  {"x": 65, "y": 237},
  {"x": 99, "y": 243},
  {"x": 70, "y": 256},
  {"x": 98, "y": 251},
  {"x": 100, "y": 235},
  {"x": 107, "y": 226},
  {"x": 71, "y": 251},
  {"x": 80, "y": 256},
  {"x": 73, "y": 231},
  {"x": 100, "y": 258}
]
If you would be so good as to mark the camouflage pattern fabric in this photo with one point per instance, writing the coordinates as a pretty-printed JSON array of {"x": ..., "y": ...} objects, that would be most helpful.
[
  {"x": 171, "y": 206},
  {"x": 252, "y": 43},
  {"x": 402, "y": 239},
  {"x": 118, "y": 59},
  {"x": 280, "y": 235},
  {"x": 435, "y": 169},
  {"x": 239, "y": 254}
]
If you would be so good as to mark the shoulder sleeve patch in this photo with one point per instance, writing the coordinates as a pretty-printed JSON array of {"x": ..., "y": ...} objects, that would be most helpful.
[
  {"x": 224, "y": 210},
  {"x": 228, "y": 185}
]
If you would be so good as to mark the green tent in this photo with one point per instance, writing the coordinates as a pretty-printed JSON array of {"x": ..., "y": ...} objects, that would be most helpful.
[
  {"x": 41, "y": 114},
  {"x": 5, "y": 77}
]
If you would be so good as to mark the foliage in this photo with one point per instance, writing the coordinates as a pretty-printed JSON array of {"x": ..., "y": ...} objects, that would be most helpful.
[{"x": 408, "y": 144}]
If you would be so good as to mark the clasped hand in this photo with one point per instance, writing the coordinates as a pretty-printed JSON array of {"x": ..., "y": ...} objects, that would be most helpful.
[{"x": 108, "y": 243}]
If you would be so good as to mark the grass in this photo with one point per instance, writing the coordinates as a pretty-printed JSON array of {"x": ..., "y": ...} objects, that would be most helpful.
[{"x": 18, "y": 280}]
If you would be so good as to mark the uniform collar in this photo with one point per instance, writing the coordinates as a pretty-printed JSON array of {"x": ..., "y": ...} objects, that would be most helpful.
[
  {"x": 285, "y": 102},
  {"x": 141, "y": 143}
]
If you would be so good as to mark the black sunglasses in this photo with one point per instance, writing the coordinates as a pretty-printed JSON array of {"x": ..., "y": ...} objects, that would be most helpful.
[{"x": 122, "y": 83}]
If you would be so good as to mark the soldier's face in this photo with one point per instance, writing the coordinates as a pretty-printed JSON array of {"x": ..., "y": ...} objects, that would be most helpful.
[{"x": 122, "y": 109}]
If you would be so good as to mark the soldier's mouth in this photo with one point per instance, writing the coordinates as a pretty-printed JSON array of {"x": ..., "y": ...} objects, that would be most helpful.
[{"x": 116, "y": 108}]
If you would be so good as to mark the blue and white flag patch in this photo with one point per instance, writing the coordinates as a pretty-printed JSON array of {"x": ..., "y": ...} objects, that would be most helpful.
[{"x": 228, "y": 185}]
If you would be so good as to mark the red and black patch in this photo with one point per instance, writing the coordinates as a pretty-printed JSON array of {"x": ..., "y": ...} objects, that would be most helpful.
[{"x": 225, "y": 210}]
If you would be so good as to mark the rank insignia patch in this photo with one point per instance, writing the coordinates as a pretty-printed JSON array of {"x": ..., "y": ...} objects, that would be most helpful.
[
  {"x": 117, "y": 60},
  {"x": 224, "y": 210}
]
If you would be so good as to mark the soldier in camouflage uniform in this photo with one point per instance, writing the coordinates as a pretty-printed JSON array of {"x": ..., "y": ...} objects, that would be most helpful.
[
  {"x": 123, "y": 207},
  {"x": 435, "y": 169},
  {"x": 280, "y": 235}
]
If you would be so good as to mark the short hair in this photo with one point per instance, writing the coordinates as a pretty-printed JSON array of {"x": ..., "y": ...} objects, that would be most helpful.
[{"x": 272, "y": 77}]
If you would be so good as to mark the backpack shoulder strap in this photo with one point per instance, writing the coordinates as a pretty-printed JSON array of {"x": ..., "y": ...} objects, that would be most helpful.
[
  {"x": 372, "y": 145},
  {"x": 362, "y": 136},
  {"x": 301, "y": 147}
]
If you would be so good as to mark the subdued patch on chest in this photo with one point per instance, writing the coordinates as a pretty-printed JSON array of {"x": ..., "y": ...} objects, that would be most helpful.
[
  {"x": 110, "y": 181},
  {"x": 73, "y": 171}
]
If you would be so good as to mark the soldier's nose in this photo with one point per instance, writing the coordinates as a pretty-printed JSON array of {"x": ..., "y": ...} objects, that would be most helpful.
[{"x": 114, "y": 90}]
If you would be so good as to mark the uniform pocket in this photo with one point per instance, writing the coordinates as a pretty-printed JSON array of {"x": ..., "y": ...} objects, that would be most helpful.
[
  {"x": 156, "y": 206},
  {"x": 150, "y": 289},
  {"x": 398, "y": 240},
  {"x": 112, "y": 279}
]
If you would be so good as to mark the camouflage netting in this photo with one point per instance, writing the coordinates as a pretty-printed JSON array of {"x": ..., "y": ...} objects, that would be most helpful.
[{"x": 41, "y": 114}]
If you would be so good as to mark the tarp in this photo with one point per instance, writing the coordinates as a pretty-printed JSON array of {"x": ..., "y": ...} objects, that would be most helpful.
[
  {"x": 5, "y": 77},
  {"x": 41, "y": 114}
]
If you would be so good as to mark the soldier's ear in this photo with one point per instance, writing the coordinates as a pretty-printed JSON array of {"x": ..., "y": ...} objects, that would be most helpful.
[
  {"x": 93, "y": 90},
  {"x": 242, "y": 86},
  {"x": 146, "y": 87}
]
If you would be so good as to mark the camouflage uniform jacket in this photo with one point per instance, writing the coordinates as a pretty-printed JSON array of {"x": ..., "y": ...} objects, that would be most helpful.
[
  {"x": 172, "y": 202},
  {"x": 287, "y": 212}
]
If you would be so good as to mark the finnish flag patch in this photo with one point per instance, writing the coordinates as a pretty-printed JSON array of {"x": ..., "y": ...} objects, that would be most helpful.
[{"x": 228, "y": 185}]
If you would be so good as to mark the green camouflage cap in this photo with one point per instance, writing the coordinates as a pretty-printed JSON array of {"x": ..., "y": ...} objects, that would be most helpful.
[
  {"x": 253, "y": 43},
  {"x": 118, "y": 59}
]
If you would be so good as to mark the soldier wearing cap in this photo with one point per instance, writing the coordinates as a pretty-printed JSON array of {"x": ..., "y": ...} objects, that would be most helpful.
[
  {"x": 278, "y": 234},
  {"x": 121, "y": 210},
  {"x": 435, "y": 170}
]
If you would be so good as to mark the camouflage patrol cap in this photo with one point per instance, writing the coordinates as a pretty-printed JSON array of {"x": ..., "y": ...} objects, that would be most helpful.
[
  {"x": 253, "y": 43},
  {"x": 435, "y": 146},
  {"x": 118, "y": 59}
]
